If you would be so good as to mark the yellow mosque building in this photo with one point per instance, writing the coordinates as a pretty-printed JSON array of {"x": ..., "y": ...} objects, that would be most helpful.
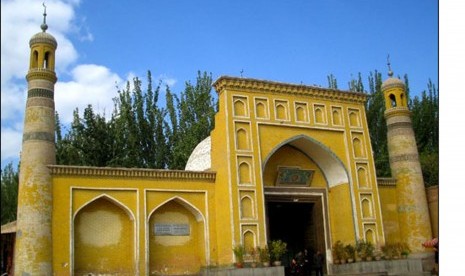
[{"x": 285, "y": 161}]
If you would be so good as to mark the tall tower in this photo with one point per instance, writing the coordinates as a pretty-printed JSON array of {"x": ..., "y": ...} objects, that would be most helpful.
[
  {"x": 33, "y": 250},
  {"x": 414, "y": 220}
]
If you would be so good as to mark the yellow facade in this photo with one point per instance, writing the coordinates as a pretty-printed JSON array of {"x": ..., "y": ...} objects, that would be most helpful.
[{"x": 285, "y": 161}]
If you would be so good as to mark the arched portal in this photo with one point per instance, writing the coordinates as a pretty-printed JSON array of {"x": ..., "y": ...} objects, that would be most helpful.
[
  {"x": 176, "y": 238},
  {"x": 300, "y": 201},
  {"x": 104, "y": 239}
]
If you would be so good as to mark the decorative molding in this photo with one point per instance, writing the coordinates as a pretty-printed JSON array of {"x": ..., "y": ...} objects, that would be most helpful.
[
  {"x": 39, "y": 92},
  {"x": 386, "y": 181},
  {"x": 397, "y": 111},
  {"x": 404, "y": 157},
  {"x": 41, "y": 73},
  {"x": 227, "y": 82},
  {"x": 130, "y": 172},
  {"x": 40, "y": 102},
  {"x": 39, "y": 135},
  {"x": 398, "y": 125}
]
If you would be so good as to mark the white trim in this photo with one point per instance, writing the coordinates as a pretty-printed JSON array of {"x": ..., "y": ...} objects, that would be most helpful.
[
  {"x": 350, "y": 149},
  {"x": 356, "y": 111}
]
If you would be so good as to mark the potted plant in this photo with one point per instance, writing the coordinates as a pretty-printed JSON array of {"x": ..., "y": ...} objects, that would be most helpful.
[
  {"x": 369, "y": 249},
  {"x": 239, "y": 252},
  {"x": 254, "y": 252},
  {"x": 350, "y": 253},
  {"x": 338, "y": 252},
  {"x": 360, "y": 248},
  {"x": 277, "y": 248},
  {"x": 404, "y": 250},
  {"x": 264, "y": 255}
]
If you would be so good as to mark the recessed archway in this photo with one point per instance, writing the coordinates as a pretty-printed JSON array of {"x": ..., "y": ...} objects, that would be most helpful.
[
  {"x": 103, "y": 238},
  {"x": 176, "y": 235}
]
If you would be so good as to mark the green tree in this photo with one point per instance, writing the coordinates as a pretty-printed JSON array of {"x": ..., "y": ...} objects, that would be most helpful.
[
  {"x": 9, "y": 195},
  {"x": 332, "y": 82},
  {"x": 377, "y": 128},
  {"x": 194, "y": 119}
]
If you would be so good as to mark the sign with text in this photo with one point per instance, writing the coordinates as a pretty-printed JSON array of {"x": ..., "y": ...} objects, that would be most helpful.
[{"x": 172, "y": 230}]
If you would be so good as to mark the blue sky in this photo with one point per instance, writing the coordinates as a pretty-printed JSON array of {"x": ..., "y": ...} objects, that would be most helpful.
[{"x": 102, "y": 44}]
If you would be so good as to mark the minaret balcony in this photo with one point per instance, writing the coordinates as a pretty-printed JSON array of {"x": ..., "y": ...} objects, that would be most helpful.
[{"x": 41, "y": 73}]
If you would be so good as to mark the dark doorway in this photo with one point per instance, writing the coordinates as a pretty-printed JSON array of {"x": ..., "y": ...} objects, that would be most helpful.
[{"x": 292, "y": 222}]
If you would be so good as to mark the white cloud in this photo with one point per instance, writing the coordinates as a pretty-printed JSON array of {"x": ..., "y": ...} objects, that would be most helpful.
[
  {"x": 90, "y": 84},
  {"x": 11, "y": 143}
]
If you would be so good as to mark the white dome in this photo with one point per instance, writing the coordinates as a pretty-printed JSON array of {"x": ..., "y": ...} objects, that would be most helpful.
[{"x": 200, "y": 159}]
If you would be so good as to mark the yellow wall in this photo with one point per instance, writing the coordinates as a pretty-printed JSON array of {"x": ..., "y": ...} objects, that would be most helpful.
[
  {"x": 103, "y": 239},
  {"x": 388, "y": 196},
  {"x": 340, "y": 212},
  {"x": 130, "y": 201}
]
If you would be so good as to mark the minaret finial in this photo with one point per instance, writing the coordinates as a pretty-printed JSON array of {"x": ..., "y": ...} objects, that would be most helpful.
[
  {"x": 390, "y": 73},
  {"x": 44, "y": 26}
]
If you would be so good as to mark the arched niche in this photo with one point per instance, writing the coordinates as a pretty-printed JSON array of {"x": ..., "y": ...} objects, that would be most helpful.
[
  {"x": 337, "y": 117},
  {"x": 176, "y": 235},
  {"x": 301, "y": 115},
  {"x": 367, "y": 211},
  {"x": 239, "y": 108},
  {"x": 358, "y": 149},
  {"x": 246, "y": 208},
  {"x": 244, "y": 173},
  {"x": 261, "y": 110},
  {"x": 353, "y": 119},
  {"x": 242, "y": 139},
  {"x": 370, "y": 236},
  {"x": 281, "y": 113},
  {"x": 104, "y": 235},
  {"x": 249, "y": 240},
  {"x": 319, "y": 116},
  {"x": 362, "y": 177}
]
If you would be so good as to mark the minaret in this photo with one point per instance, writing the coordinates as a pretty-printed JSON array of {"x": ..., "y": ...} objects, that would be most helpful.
[
  {"x": 414, "y": 220},
  {"x": 33, "y": 250}
]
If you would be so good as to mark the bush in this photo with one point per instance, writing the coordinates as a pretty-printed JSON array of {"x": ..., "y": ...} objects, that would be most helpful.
[
  {"x": 278, "y": 248},
  {"x": 338, "y": 251}
]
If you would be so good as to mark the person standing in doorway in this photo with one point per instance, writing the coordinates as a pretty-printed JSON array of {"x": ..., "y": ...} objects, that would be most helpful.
[{"x": 318, "y": 262}]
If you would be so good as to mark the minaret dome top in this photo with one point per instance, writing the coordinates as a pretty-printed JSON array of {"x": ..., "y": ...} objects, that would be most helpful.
[{"x": 43, "y": 37}]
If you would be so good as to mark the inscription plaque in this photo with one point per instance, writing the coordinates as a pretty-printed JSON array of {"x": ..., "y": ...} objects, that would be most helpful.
[
  {"x": 172, "y": 230},
  {"x": 294, "y": 176}
]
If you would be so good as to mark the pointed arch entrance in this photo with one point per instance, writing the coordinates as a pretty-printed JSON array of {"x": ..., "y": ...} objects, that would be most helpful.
[
  {"x": 104, "y": 238},
  {"x": 177, "y": 243},
  {"x": 297, "y": 175}
]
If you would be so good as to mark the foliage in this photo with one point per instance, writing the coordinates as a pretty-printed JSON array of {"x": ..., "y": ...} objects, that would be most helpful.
[
  {"x": 364, "y": 249},
  {"x": 395, "y": 249},
  {"x": 9, "y": 194},
  {"x": 254, "y": 253},
  {"x": 277, "y": 249},
  {"x": 140, "y": 133},
  {"x": 338, "y": 251},
  {"x": 264, "y": 254},
  {"x": 332, "y": 82},
  {"x": 349, "y": 251},
  {"x": 239, "y": 252}
]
